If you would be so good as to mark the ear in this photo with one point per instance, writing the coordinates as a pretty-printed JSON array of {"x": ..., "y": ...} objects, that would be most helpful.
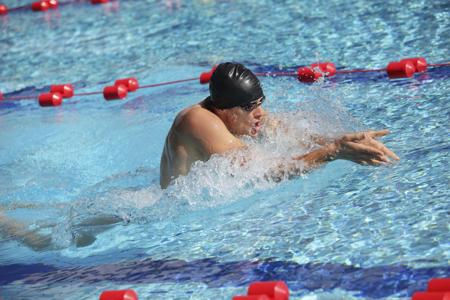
[
  {"x": 233, "y": 115},
  {"x": 220, "y": 112}
]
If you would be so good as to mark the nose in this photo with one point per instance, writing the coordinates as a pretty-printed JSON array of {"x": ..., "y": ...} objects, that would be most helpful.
[{"x": 258, "y": 112}]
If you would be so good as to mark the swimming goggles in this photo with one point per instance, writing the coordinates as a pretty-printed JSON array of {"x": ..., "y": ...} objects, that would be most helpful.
[{"x": 252, "y": 105}]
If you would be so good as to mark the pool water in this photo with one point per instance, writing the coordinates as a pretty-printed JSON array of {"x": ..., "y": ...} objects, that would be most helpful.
[{"x": 343, "y": 231}]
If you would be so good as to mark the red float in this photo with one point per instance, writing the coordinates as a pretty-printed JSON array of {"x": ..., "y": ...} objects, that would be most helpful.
[
  {"x": 115, "y": 92},
  {"x": 40, "y": 6},
  {"x": 257, "y": 297},
  {"x": 52, "y": 4},
  {"x": 307, "y": 74},
  {"x": 66, "y": 90},
  {"x": 419, "y": 63},
  {"x": 276, "y": 290},
  {"x": 3, "y": 9},
  {"x": 119, "y": 295},
  {"x": 400, "y": 69},
  {"x": 131, "y": 83},
  {"x": 50, "y": 99},
  {"x": 1, "y": 96},
  {"x": 439, "y": 285},
  {"x": 328, "y": 68},
  {"x": 431, "y": 296},
  {"x": 99, "y": 1},
  {"x": 206, "y": 76}
]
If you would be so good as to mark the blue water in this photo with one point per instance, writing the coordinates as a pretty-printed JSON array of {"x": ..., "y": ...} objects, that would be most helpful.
[{"x": 343, "y": 231}]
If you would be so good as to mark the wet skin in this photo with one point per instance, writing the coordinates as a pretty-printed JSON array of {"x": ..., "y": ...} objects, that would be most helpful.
[{"x": 200, "y": 131}]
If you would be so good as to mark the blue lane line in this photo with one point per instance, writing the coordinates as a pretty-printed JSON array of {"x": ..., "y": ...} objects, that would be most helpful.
[{"x": 374, "y": 282}]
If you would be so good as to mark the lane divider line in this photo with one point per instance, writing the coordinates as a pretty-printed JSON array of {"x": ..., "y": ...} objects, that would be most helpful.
[{"x": 404, "y": 68}]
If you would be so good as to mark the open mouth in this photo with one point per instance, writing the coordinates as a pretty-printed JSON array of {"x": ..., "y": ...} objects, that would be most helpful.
[{"x": 255, "y": 128}]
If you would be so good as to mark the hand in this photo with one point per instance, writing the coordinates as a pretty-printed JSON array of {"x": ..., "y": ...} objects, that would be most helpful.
[{"x": 363, "y": 148}]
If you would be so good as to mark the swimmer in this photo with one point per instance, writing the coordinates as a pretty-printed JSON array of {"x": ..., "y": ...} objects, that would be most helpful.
[{"x": 234, "y": 109}]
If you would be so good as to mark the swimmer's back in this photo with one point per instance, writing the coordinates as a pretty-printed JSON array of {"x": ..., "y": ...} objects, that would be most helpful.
[{"x": 178, "y": 149}]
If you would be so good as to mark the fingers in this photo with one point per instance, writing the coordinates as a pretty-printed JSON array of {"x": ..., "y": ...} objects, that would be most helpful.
[
  {"x": 371, "y": 162},
  {"x": 365, "y": 149},
  {"x": 389, "y": 153},
  {"x": 365, "y": 134},
  {"x": 375, "y": 162},
  {"x": 378, "y": 133},
  {"x": 386, "y": 151},
  {"x": 368, "y": 138},
  {"x": 367, "y": 154},
  {"x": 354, "y": 136}
]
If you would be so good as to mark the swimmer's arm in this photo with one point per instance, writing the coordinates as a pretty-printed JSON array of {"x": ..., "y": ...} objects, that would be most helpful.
[
  {"x": 320, "y": 140},
  {"x": 302, "y": 164},
  {"x": 361, "y": 148}
]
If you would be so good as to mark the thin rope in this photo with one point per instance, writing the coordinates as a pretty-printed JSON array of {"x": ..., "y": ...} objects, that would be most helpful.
[
  {"x": 359, "y": 71},
  {"x": 167, "y": 83}
]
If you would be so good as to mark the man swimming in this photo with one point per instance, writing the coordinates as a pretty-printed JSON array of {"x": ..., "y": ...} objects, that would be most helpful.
[
  {"x": 234, "y": 109},
  {"x": 214, "y": 126}
]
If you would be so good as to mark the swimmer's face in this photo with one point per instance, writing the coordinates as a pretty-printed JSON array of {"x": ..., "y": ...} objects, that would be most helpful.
[{"x": 246, "y": 120}]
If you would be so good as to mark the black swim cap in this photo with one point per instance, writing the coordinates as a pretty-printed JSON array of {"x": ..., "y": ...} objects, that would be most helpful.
[{"x": 233, "y": 85}]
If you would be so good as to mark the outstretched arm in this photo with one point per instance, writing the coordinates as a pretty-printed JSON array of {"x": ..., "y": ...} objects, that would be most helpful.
[{"x": 361, "y": 148}]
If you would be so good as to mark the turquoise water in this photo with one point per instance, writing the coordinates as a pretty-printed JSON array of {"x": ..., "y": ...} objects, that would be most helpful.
[{"x": 341, "y": 232}]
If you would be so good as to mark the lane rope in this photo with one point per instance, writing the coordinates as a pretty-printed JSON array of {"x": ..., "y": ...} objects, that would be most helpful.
[
  {"x": 43, "y": 5},
  {"x": 404, "y": 68}
]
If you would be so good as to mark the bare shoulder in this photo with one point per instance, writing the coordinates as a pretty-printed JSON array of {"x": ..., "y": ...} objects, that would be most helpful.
[
  {"x": 196, "y": 120},
  {"x": 206, "y": 130}
]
